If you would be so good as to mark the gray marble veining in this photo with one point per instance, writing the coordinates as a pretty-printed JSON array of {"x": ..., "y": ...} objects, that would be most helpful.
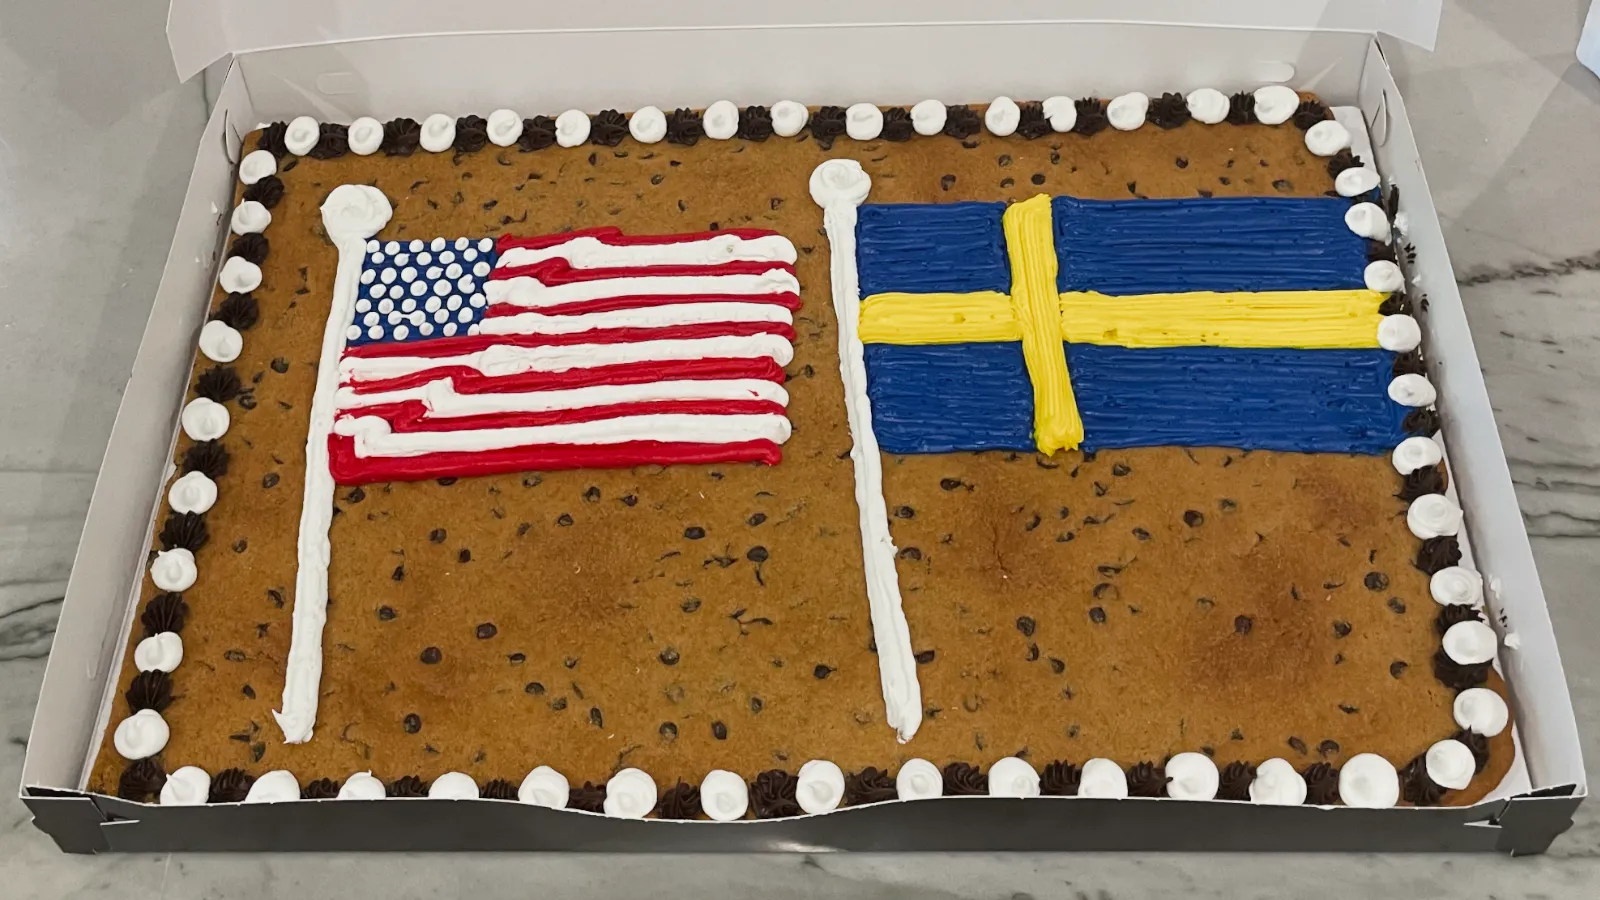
[{"x": 93, "y": 155}]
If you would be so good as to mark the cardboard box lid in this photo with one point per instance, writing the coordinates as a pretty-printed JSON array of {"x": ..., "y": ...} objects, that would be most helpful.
[{"x": 201, "y": 32}]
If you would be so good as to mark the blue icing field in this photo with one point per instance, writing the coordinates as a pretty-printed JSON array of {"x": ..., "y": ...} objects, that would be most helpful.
[
  {"x": 415, "y": 290},
  {"x": 926, "y": 248},
  {"x": 1207, "y": 244},
  {"x": 1256, "y": 399},
  {"x": 947, "y": 397}
]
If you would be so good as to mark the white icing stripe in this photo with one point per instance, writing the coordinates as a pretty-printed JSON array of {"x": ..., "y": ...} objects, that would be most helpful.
[
  {"x": 592, "y": 253},
  {"x": 527, "y": 291},
  {"x": 443, "y": 402},
  {"x": 350, "y": 215},
  {"x": 508, "y": 360},
  {"x": 839, "y": 186},
  {"x": 373, "y": 438},
  {"x": 639, "y": 317}
]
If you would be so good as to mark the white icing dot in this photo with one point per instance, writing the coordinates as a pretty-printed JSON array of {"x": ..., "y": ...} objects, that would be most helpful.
[
  {"x": 424, "y": 258},
  {"x": 400, "y": 332},
  {"x": 397, "y": 291},
  {"x": 367, "y": 275},
  {"x": 480, "y": 269},
  {"x": 377, "y": 259},
  {"x": 408, "y": 305},
  {"x": 442, "y": 315},
  {"x": 434, "y": 272},
  {"x": 419, "y": 288},
  {"x": 385, "y": 306},
  {"x": 928, "y": 117},
  {"x": 454, "y": 302},
  {"x": 465, "y": 283},
  {"x": 477, "y": 300},
  {"x": 401, "y": 259},
  {"x": 363, "y": 305},
  {"x": 437, "y": 244},
  {"x": 375, "y": 332},
  {"x": 486, "y": 244},
  {"x": 417, "y": 245},
  {"x": 449, "y": 329},
  {"x": 387, "y": 276},
  {"x": 472, "y": 329},
  {"x": 392, "y": 247},
  {"x": 447, "y": 256},
  {"x": 373, "y": 245},
  {"x": 461, "y": 243},
  {"x": 431, "y": 304},
  {"x": 352, "y": 333},
  {"x": 441, "y": 287},
  {"x": 417, "y": 317},
  {"x": 408, "y": 274},
  {"x": 1002, "y": 116},
  {"x": 469, "y": 254},
  {"x": 370, "y": 318},
  {"x": 1127, "y": 112},
  {"x": 465, "y": 315},
  {"x": 453, "y": 271},
  {"x": 425, "y": 329},
  {"x": 394, "y": 318}
]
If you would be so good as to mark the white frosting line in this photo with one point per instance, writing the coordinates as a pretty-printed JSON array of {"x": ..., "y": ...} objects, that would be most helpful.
[
  {"x": 715, "y": 311},
  {"x": 524, "y": 290},
  {"x": 351, "y": 214},
  {"x": 588, "y": 252},
  {"x": 839, "y": 186},
  {"x": 442, "y": 402},
  {"x": 509, "y": 360},
  {"x": 373, "y": 437}
]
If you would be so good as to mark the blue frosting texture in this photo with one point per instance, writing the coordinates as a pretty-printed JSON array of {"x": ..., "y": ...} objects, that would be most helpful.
[
  {"x": 1275, "y": 399},
  {"x": 948, "y": 397},
  {"x": 1207, "y": 244},
  {"x": 926, "y": 248}
]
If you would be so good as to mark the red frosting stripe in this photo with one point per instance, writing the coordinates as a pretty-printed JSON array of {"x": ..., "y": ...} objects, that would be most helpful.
[
  {"x": 613, "y": 235},
  {"x": 348, "y": 469},
  {"x": 458, "y": 346}
]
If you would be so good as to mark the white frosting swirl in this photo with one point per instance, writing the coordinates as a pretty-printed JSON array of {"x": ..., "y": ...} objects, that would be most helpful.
[
  {"x": 1433, "y": 515},
  {"x": 1416, "y": 452},
  {"x": 174, "y": 570},
  {"x": 1481, "y": 710},
  {"x": 1355, "y": 181},
  {"x": 438, "y": 133},
  {"x": 928, "y": 117},
  {"x": 302, "y": 135},
  {"x": 1450, "y": 764},
  {"x": 193, "y": 493},
  {"x": 1369, "y": 781},
  {"x": 1412, "y": 390},
  {"x": 355, "y": 211},
  {"x": 720, "y": 120},
  {"x": 1469, "y": 643},
  {"x": 1208, "y": 105},
  {"x": 1061, "y": 111},
  {"x": 204, "y": 419},
  {"x": 1192, "y": 776},
  {"x": 504, "y": 126},
  {"x": 189, "y": 786},
  {"x": 249, "y": 217},
  {"x": 1456, "y": 586},
  {"x": 545, "y": 787},
  {"x": 159, "y": 652},
  {"x": 1275, "y": 104},
  {"x": 239, "y": 275},
  {"x": 820, "y": 786},
  {"x": 1399, "y": 333},
  {"x": 919, "y": 779},
  {"x": 863, "y": 121},
  {"x": 362, "y": 786},
  {"x": 1013, "y": 777},
  {"x": 572, "y": 128},
  {"x": 277, "y": 786},
  {"x": 453, "y": 786},
  {"x": 724, "y": 796},
  {"x": 1327, "y": 138},
  {"x": 1383, "y": 276},
  {"x": 220, "y": 342},
  {"x": 1277, "y": 784},
  {"x": 1127, "y": 112},
  {"x": 1102, "y": 778},
  {"x": 648, "y": 125},
  {"x": 839, "y": 181},
  {"x": 365, "y": 136},
  {"x": 788, "y": 117},
  {"x": 256, "y": 165},
  {"x": 1002, "y": 116},
  {"x": 630, "y": 794},
  {"x": 140, "y": 735},
  {"x": 1368, "y": 220}
]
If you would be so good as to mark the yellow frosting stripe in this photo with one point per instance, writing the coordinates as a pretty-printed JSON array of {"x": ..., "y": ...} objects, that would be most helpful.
[
  {"x": 1308, "y": 320},
  {"x": 1031, "y": 245},
  {"x": 938, "y": 318}
]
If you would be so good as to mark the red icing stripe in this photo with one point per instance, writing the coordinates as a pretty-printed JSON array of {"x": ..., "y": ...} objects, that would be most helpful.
[
  {"x": 471, "y": 381},
  {"x": 552, "y": 272},
  {"x": 348, "y": 469},
  {"x": 787, "y": 299},
  {"x": 412, "y": 415},
  {"x": 456, "y": 346},
  {"x": 613, "y": 235}
]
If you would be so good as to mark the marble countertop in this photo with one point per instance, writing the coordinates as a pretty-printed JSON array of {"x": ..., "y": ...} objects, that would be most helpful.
[{"x": 95, "y": 143}]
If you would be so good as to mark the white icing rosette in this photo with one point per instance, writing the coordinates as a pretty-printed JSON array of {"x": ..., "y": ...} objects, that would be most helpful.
[
  {"x": 1383, "y": 276},
  {"x": 1013, "y": 777},
  {"x": 362, "y": 786},
  {"x": 1369, "y": 781},
  {"x": 724, "y": 796},
  {"x": 1399, "y": 333},
  {"x": 572, "y": 128},
  {"x": 355, "y": 211},
  {"x": 1433, "y": 515},
  {"x": 195, "y": 492},
  {"x": 919, "y": 779},
  {"x": 256, "y": 165},
  {"x": 1192, "y": 776},
  {"x": 1208, "y": 106},
  {"x": 438, "y": 133},
  {"x": 277, "y": 786},
  {"x": 1469, "y": 643},
  {"x": 188, "y": 786},
  {"x": 820, "y": 787},
  {"x": 239, "y": 275},
  {"x": 839, "y": 181},
  {"x": 1450, "y": 764},
  {"x": 720, "y": 120},
  {"x": 365, "y": 136},
  {"x": 1482, "y": 711},
  {"x": 1456, "y": 586},
  {"x": 630, "y": 794},
  {"x": 1368, "y": 220},
  {"x": 863, "y": 121},
  {"x": 249, "y": 217},
  {"x": 1327, "y": 138},
  {"x": 1062, "y": 113},
  {"x": 788, "y": 117},
  {"x": 504, "y": 127},
  {"x": 1417, "y": 452},
  {"x": 1275, "y": 104},
  {"x": 174, "y": 570},
  {"x": 302, "y": 135},
  {"x": 220, "y": 342},
  {"x": 648, "y": 125},
  {"x": 1102, "y": 778},
  {"x": 141, "y": 735},
  {"x": 204, "y": 419},
  {"x": 1355, "y": 181},
  {"x": 545, "y": 787},
  {"x": 928, "y": 117},
  {"x": 1278, "y": 784},
  {"x": 159, "y": 652},
  {"x": 1002, "y": 116},
  {"x": 453, "y": 786},
  {"x": 1128, "y": 112},
  {"x": 1412, "y": 390}
]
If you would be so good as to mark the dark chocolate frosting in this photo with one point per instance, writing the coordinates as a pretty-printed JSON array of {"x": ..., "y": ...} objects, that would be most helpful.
[
  {"x": 238, "y": 311},
  {"x": 272, "y": 139},
  {"x": 1377, "y": 250},
  {"x": 267, "y": 192},
  {"x": 1428, "y": 480},
  {"x": 772, "y": 795},
  {"x": 472, "y": 134},
  {"x": 827, "y": 125},
  {"x": 1458, "y": 676},
  {"x": 607, "y": 128},
  {"x": 897, "y": 125},
  {"x": 1478, "y": 744},
  {"x": 681, "y": 801},
  {"x": 1234, "y": 781},
  {"x": 1397, "y": 303},
  {"x": 218, "y": 383},
  {"x": 321, "y": 789},
  {"x": 1409, "y": 363},
  {"x": 1242, "y": 108},
  {"x": 1438, "y": 553},
  {"x": 1322, "y": 784},
  {"x": 1091, "y": 116},
  {"x": 684, "y": 126},
  {"x": 1169, "y": 110},
  {"x": 252, "y": 247},
  {"x": 1059, "y": 779},
  {"x": 589, "y": 798},
  {"x": 1309, "y": 113},
  {"x": 961, "y": 122},
  {"x": 1415, "y": 785},
  {"x": 1423, "y": 421},
  {"x": 538, "y": 133},
  {"x": 230, "y": 786},
  {"x": 499, "y": 789},
  {"x": 1031, "y": 123},
  {"x": 164, "y": 612},
  {"x": 1453, "y": 614},
  {"x": 407, "y": 786},
  {"x": 401, "y": 137},
  {"x": 142, "y": 780},
  {"x": 149, "y": 690},
  {"x": 209, "y": 457},
  {"x": 186, "y": 530},
  {"x": 333, "y": 141},
  {"x": 963, "y": 780},
  {"x": 755, "y": 124},
  {"x": 1342, "y": 160},
  {"x": 869, "y": 785},
  {"x": 1145, "y": 779}
]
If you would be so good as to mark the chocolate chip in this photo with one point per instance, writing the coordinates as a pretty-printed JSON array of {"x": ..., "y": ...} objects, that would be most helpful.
[
  {"x": 756, "y": 705},
  {"x": 668, "y": 657},
  {"x": 1120, "y": 469},
  {"x": 412, "y": 723},
  {"x": 564, "y": 520},
  {"x": 269, "y": 480},
  {"x": 756, "y": 519},
  {"x": 465, "y": 556},
  {"x": 669, "y": 731},
  {"x": 1225, "y": 180},
  {"x": 925, "y": 657},
  {"x": 1026, "y": 625},
  {"x": 248, "y": 691},
  {"x": 241, "y": 545},
  {"x": 529, "y": 481},
  {"x": 1298, "y": 746},
  {"x": 1328, "y": 748},
  {"x": 399, "y": 573},
  {"x": 1398, "y": 668},
  {"x": 591, "y": 495},
  {"x": 431, "y": 655},
  {"x": 1097, "y": 615},
  {"x": 1204, "y": 602},
  {"x": 487, "y": 630},
  {"x": 1376, "y": 581},
  {"x": 1397, "y": 606},
  {"x": 1349, "y": 710},
  {"x": 1008, "y": 182},
  {"x": 1226, "y": 505},
  {"x": 1242, "y": 624},
  {"x": 949, "y": 484},
  {"x": 446, "y": 481},
  {"x": 630, "y": 500},
  {"x": 904, "y": 512},
  {"x": 1283, "y": 185},
  {"x": 1341, "y": 629},
  {"x": 534, "y": 688},
  {"x": 1181, "y": 163},
  {"x": 385, "y": 613},
  {"x": 946, "y": 182},
  {"x": 822, "y": 671},
  {"x": 1193, "y": 518},
  {"x": 911, "y": 553},
  {"x": 595, "y": 718},
  {"x": 356, "y": 496},
  {"x": 1141, "y": 534},
  {"x": 234, "y": 656},
  {"x": 523, "y": 528},
  {"x": 690, "y": 605},
  {"x": 437, "y": 535},
  {"x": 719, "y": 731},
  {"x": 558, "y": 704},
  {"x": 570, "y": 662},
  {"x": 756, "y": 554},
  {"x": 517, "y": 659},
  {"x": 280, "y": 365},
  {"x": 1004, "y": 160},
  {"x": 1033, "y": 652},
  {"x": 694, "y": 532}
]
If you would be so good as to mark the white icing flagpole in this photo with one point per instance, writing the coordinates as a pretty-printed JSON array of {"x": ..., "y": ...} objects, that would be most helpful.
[
  {"x": 839, "y": 186},
  {"x": 351, "y": 214}
]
